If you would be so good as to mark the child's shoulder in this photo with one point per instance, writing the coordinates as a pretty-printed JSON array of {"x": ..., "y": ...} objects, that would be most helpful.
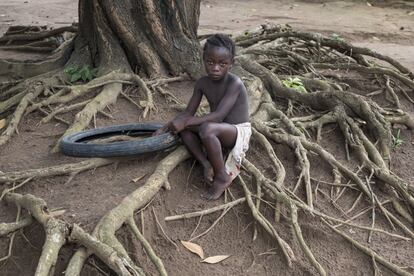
[{"x": 235, "y": 79}]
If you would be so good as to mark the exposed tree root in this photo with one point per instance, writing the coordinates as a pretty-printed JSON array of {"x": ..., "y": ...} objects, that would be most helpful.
[
  {"x": 92, "y": 163},
  {"x": 7, "y": 228},
  {"x": 371, "y": 253},
  {"x": 154, "y": 258},
  {"x": 339, "y": 45},
  {"x": 57, "y": 233},
  {"x": 37, "y": 35},
  {"x": 26, "y": 69},
  {"x": 24, "y": 102},
  {"x": 207, "y": 211},
  {"x": 280, "y": 114},
  {"x": 284, "y": 246},
  {"x": 112, "y": 221}
]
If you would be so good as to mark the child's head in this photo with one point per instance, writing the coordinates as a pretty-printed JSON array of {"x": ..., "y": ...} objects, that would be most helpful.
[{"x": 218, "y": 55}]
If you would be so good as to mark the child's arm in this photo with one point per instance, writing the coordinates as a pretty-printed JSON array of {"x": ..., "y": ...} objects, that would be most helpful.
[
  {"x": 189, "y": 111},
  {"x": 224, "y": 107}
]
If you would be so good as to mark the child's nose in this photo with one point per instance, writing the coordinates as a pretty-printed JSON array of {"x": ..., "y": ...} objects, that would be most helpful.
[{"x": 216, "y": 67}]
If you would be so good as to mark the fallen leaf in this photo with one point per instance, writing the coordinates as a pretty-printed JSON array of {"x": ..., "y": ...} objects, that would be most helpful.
[
  {"x": 215, "y": 259},
  {"x": 369, "y": 4},
  {"x": 193, "y": 247},
  {"x": 2, "y": 123}
]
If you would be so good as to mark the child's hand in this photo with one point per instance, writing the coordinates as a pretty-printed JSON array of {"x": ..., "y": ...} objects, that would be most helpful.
[{"x": 177, "y": 125}]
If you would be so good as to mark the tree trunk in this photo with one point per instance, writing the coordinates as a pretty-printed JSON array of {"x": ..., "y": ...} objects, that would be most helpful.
[{"x": 149, "y": 37}]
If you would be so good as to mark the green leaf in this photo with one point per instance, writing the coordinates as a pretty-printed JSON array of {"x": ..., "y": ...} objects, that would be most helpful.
[
  {"x": 75, "y": 77},
  {"x": 84, "y": 74},
  {"x": 70, "y": 70},
  {"x": 88, "y": 75}
]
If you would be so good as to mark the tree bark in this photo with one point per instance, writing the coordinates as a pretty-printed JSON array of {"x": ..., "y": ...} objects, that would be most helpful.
[{"x": 149, "y": 37}]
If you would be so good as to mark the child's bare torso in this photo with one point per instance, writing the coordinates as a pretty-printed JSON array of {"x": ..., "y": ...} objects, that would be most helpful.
[{"x": 214, "y": 91}]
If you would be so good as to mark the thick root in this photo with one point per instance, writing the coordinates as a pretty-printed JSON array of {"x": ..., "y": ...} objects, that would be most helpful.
[
  {"x": 57, "y": 234},
  {"x": 92, "y": 163},
  {"x": 112, "y": 221}
]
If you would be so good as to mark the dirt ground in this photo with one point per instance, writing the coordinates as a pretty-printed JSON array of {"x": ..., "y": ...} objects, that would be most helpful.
[{"x": 385, "y": 26}]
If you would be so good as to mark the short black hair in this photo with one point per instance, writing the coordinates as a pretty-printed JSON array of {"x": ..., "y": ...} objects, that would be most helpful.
[{"x": 221, "y": 40}]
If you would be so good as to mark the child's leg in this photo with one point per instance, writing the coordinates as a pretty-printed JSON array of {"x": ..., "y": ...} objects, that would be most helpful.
[
  {"x": 193, "y": 144},
  {"x": 214, "y": 136}
]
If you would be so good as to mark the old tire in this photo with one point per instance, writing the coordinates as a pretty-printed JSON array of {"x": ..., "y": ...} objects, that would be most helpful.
[{"x": 73, "y": 144}]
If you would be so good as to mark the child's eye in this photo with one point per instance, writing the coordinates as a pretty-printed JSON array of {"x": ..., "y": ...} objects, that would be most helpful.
[
  {"x": 209, "y": 62},
  {"x": 222, "y": 64}
]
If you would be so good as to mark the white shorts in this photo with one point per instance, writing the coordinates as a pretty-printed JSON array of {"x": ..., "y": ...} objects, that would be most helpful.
[{"x": 236, "y": 155}]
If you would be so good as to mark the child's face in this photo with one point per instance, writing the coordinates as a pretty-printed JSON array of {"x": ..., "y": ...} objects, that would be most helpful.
[{"x": 217, "y": 61}]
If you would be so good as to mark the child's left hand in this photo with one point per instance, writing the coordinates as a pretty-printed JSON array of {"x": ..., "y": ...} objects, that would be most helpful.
[{"x": 178, "y": 124}]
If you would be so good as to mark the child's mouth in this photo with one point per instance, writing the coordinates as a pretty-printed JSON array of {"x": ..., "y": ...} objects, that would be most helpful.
[{"x": 215, "y": 76}]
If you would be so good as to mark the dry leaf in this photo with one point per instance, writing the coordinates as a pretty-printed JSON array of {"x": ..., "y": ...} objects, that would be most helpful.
[
  {"x": 215, "y": 259},
  {"x": 193, "y": 247},
  {"x": 2, "y": 123}
]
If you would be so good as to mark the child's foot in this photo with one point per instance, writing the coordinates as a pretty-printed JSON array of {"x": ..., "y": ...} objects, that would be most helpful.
[
  {"x": 208, "y": 173},
  {"x": 219, "y": 185}
]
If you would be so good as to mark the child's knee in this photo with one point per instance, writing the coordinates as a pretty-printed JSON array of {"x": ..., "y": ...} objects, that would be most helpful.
[{"x": 206, "y": 130}]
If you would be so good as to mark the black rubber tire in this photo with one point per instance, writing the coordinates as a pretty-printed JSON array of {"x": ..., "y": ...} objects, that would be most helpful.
[{"x": 72, "y": 144}]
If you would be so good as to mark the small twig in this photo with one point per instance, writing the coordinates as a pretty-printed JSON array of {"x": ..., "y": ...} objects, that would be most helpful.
[
  {"x": 19, "y": 209},
  {"x": 162, "y": 230},
  {"x": 171, "y": 96},
  {"x": 14, "y": 187},
  {"x": 358, "y": 199},
  {"x": 303, "y": 245},
  {"x": 356, "y": 216},
  {"x": 370, "y": 252},
  {"x": 382, "y": 208},
  {"x": 206, "y": 211},
  {"x": 63, "y": 109},
  {"x": 377, "y": 271},
  {"x": 92, "y": 263},
  {"x": 373, "y": 206},
  {"x": 71, "y": 177},
  {"x": 158, "y": 82},
  {"x": 371, "y": 229},
  {"x": 212, "y": 225},
  {"x": 392, "y": 93},
  {"x": 27, "y": 240},
  {"x": 41, "y": 109},
  {"x": 131, "y": 100},
  {"x": 398, "y": 222},
  {"x": 286, "y": 249},
  {"x": 189, "y": 174},
  {"x": 258, "y": 193},
  {"x": 198, "y": 224},
  {"x": 148, "y": 248},
  {"x": 352, "y": 186}
]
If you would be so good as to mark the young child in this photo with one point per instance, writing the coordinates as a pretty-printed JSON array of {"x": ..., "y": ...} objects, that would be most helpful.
[{"x": 226, "y": 126}]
